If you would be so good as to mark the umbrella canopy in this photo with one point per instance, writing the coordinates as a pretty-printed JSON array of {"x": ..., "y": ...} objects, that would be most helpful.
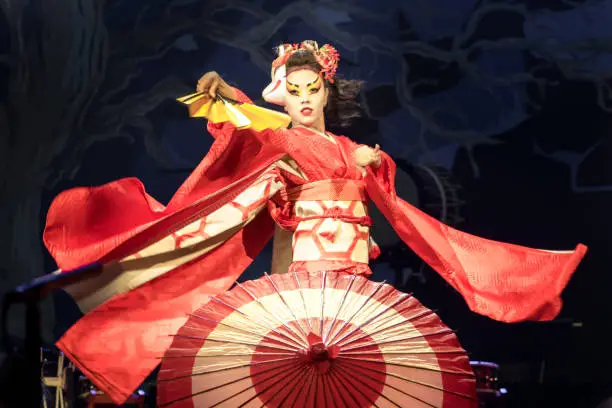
[
  {"x": 315, "y": 340},
  {"x": 242, "y": 115}
]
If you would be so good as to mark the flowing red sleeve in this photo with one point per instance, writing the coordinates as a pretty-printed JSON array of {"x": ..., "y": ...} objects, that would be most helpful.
[
  {"x": 505, "y": 282},
  {"x": 119, "y": 341},
  {"x": 85, "y": 224}
]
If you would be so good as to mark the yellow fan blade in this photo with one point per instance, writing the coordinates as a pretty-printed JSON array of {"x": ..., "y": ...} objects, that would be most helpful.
[
  {"x": 217, "y": 113},
  {"x": 262, "y": 118},
  {"x": 236, "y": 116},
  {"x": 198, "y": 104},
  {"x": 242, "y": 115},
  {"x": 187, "y": 99}
]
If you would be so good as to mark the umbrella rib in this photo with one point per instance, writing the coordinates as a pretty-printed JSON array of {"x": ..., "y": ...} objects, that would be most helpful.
[
  {"x": 390, "y": 353},
  {"x": 229, "y": 342},
  {"x": 301, "y": 376},
  {"x": 327, "y": 379},
  {"x": 418, "y": 316},
  {"x": 303, "y": 380},
  {"x": 312, "y": 380},
  {"x": 323, "y": 285},
  {"x": 426, "y": 312},
  {"x": 212, "y": 388},
  {"x": 282, "y": 298},
  {"x": 330, "y": 379},
  {"x": 229, "y": 355},
  {"x": 247, "y": 388},
  {"x": 351, "y": 375},
  {"x": 469, "y": 376},
  {"x": 403, "y": 297},
  {"x": 406, "y": 339},
  {"x": 236, "y": 328},
  {"x": 316, "y": 384},
  {"x": 352, "y": 361},
  {"x": 298, "y": 341},
  {"x": 219, "y": 370},
  {"x": 443, "y": 330},
  {"x": 297, "y": 281},
  {"x": 326, "y": 392},
  {"x": 279, "y": 378},
  {"x": 339, "y": 384},
  {"x": 397, "y": 389},
  {"x": 370, "y": 334},
  {"x": 346, "y": 322},
  {"x": 333, "y": 323},
  {"x": 348, "y": 379}
]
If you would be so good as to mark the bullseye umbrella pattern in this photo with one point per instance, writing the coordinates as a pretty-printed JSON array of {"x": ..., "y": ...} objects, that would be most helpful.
[{"x": 315, "y": 340}]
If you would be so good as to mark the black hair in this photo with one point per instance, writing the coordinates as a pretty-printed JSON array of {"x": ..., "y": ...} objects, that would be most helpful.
[{"x": 342, "y": 105}]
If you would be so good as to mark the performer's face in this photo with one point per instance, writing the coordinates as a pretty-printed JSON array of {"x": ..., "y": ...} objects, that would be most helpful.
[{"x": 306, "y": 98}]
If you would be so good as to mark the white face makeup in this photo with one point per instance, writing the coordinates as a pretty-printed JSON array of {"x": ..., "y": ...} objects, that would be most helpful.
[{"x": 305, "y": 98}]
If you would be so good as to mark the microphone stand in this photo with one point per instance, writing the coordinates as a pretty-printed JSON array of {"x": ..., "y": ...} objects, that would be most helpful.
[{"x": 31, "y": 294}]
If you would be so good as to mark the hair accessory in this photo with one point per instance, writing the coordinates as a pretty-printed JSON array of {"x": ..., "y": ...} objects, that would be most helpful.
[{"x": 327, "y": 56}]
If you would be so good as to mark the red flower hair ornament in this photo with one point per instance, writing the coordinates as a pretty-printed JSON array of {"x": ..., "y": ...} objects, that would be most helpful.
[{"x": 327, "y": 56}]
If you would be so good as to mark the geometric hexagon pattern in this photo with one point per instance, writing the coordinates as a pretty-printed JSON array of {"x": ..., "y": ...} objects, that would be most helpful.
[
  {"x": 246, "y": 205},
  {"x": 322, "y": 236}
]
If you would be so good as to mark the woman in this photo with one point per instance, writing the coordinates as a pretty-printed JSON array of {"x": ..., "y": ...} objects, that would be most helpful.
[
  {"x": 160, "y": 263},
  {"x": 312, "y": 96},
  {"x": 322, "y": 157}
]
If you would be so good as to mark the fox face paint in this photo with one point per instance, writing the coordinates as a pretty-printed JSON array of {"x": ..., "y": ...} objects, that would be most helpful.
[{"x": 306, "y": 97}]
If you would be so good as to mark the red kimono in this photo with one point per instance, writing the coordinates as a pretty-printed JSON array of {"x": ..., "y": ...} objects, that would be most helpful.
[{"x": 160, "y": 263}]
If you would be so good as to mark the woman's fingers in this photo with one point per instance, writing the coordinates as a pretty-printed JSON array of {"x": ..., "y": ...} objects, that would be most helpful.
[
  {"x": 376, "y": 157},
  {"x": 200, "y": 86},
  {"x": 376, "y": 152},
  {"x": 213, "y": 89},
  {"x": 204, "y": 83},
  {"x": 207, "y": 81}
]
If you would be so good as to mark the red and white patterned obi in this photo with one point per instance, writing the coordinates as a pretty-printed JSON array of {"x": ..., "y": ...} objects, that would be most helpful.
[{"x": 330, "y": 224}]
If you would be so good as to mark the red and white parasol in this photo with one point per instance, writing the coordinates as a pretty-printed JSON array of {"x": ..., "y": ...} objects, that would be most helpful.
[{"x": 315, "y": 340}]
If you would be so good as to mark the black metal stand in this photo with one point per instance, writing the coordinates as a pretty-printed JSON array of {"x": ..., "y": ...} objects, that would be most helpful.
[
  {"x": 33, "y": 343},
  {"x": 31, "y": 294},
  {"x": 31, "y": 373}
]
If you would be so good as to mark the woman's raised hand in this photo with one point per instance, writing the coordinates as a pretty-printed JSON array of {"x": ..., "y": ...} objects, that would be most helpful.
[
  {"x": 365, "y": 156},
  {"x": 212, "y": 84}
]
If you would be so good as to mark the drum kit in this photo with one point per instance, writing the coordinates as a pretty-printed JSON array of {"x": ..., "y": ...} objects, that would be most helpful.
[{"x": 62, "y": 383}]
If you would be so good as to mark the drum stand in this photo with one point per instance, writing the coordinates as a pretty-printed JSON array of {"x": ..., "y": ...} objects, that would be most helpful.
[{"x": 56, "y": 381}]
